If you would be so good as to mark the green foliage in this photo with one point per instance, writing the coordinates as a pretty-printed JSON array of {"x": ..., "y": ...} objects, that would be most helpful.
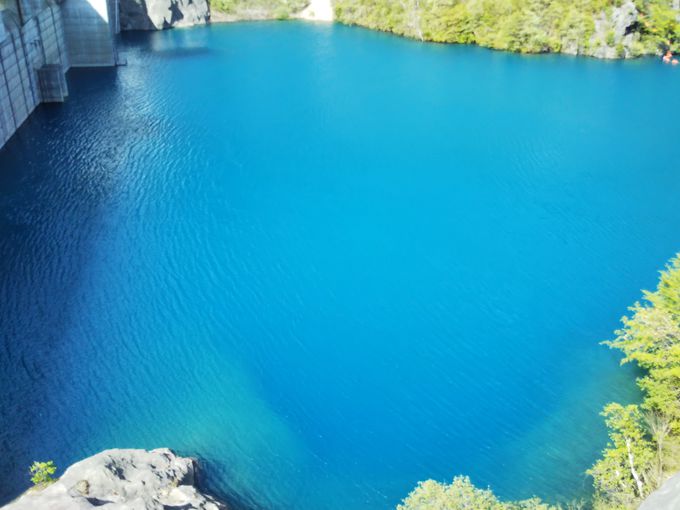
[
  {"x": 620, "y": 476},
  {"x": 651, "y": 338},
  {"x": 610, "y": 38},
  {"x": 461, "y": 494},
  {"x": 41, "y": 473},
  {"x": 528, "y": 26},
  {"x": 258, "y": 9},
  {"x": 644, "y": 439},
  {"x": 661, "y": 25}
]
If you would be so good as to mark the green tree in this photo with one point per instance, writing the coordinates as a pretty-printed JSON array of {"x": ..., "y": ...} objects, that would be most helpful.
[
  {"x": 662, "y": 24},
  {"x": 644, "y": 439},
  {"x": 651, "y": 338},
  {"x": 621, "y": 475},
  {"x": 461, "y": 494},
  {"x": 41, "y": 473},
  {"x": 659, "y": 428}
]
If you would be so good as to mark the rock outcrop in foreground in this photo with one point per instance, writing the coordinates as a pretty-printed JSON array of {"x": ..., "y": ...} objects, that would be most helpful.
[
  {"x": 667, "y": 497},
  {"x": 123, "y": 480}
]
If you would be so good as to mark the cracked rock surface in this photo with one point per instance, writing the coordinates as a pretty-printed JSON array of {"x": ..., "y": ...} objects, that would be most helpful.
[{"x": 123, "y": 480}]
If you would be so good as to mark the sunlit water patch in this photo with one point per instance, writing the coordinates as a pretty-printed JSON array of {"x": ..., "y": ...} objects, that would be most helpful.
[{"x": 331, "y": 262}]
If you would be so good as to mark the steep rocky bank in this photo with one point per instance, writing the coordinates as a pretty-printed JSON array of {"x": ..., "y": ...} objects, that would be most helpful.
[
  {"x": 613, "y": 29},
  {"x": 123, "y": 480},
  {"x": 162, "y": 14},
  {"x": 159, "y": 480},
  {"x": 614, "y": 35}
]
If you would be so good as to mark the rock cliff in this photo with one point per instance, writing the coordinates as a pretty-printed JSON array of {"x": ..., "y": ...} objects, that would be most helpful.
[
  {"x": 123, "y": 480},
  {"x": 667, "y": 497},
  {"x": 161, "y": 14},
  {"x": 614, "y": 36}
]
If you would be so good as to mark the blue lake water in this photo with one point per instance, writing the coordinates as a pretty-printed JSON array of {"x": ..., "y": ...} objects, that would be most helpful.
[{"x": 331, "y": 262}]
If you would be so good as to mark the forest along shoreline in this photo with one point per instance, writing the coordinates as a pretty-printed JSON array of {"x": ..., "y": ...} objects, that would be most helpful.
[{"x": 607, "y": 29}]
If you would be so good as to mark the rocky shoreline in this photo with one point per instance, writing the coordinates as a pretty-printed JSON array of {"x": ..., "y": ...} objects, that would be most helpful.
[
  {"x": 614, "y": 34},
  {"x": 164, "y": 14},
  {"x": 123, "y": 480},
  {"x": 130, "y": 479}
]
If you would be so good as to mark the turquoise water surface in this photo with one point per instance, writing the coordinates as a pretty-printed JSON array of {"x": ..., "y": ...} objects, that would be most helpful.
[{"x": 331, "y": 262}]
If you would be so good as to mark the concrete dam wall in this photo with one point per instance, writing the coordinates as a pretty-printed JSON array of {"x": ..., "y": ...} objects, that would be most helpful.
[
  {"x": 39, "y": 42},
  {"x": 26, "y": 54},
  {"x": 41, "y": 39}
]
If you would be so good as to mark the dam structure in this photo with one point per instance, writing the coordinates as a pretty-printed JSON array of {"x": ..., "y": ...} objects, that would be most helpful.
[{"x": 40, "y": 40}]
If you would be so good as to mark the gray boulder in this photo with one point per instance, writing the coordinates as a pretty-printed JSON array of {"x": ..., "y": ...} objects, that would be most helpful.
[
  {"x": 667, "y": 497},
  {"x": 122, "y": 480},
  {"x": 161, "y": 14}
]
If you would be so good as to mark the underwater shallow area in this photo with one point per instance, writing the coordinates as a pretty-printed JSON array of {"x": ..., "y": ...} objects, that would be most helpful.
[{"x": 331, "y": 262}]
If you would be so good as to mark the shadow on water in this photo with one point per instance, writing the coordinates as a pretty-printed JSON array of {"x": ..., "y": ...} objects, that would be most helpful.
[
  {"x": 182, "y": 53},
  {"x": 208, "y": 483},
  {"x": 58, "y": 177},
  {"x": 53, "y": 183},
  {"x": 63, "y": 177}
]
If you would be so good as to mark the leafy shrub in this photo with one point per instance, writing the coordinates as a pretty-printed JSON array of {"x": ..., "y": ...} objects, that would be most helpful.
[
  {"x": 461, "y": 494},
  {"x": 275, "y": 9},
  {"x": 41, "y": 473}
]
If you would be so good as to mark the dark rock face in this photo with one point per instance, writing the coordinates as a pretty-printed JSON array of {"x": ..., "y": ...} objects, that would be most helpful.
[
  {"x": 133, "y": 15},
  {"x": 123, "y": 480},
  {"x": 161, "y": 14}
]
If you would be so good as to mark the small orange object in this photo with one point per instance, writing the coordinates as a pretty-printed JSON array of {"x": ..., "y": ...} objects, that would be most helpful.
[{"x": 675, "y": 62}]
